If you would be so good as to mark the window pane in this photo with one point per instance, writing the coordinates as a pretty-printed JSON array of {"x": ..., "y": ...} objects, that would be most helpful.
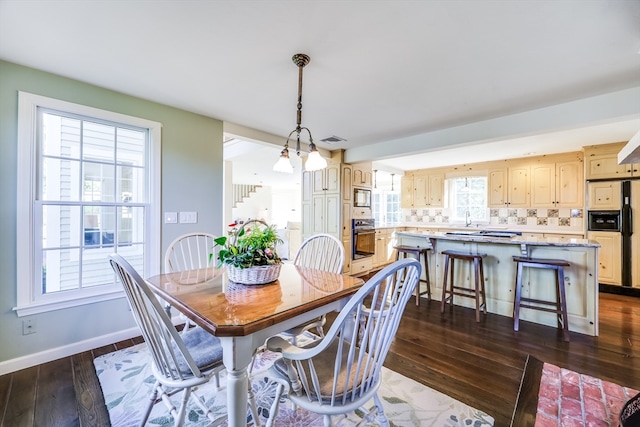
[
  {"x": 60, "y": 136},
  {"x": 59, "y": 179},
  {"x": 131, "y": 184},
  {"x": 99, "y": 226},
  {"x": 98, "y": 141},
  {"x": 131, "y": 147},
  {"x": 96, "y": 269},
  {"x": 60, "y": 226},
  {"x": 60, "y": 270},
  {"x": 130, "y": 225},
  {"x": 98, "y": 182}
]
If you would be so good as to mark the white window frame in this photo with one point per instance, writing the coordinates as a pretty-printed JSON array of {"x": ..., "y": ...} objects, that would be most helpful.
[{"x": 27, "y": 221}]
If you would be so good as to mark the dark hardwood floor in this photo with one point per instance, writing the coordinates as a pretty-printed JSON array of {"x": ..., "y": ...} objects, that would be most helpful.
[{"x": 480, "y": 364}]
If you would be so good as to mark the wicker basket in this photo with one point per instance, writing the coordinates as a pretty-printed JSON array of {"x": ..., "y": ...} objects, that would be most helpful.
[{"x": 257, "y": 275}]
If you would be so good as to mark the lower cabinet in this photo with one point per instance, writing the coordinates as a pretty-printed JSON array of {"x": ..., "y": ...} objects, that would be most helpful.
[
  {"x": 361, "y": 266},
  {"x": 609, "y": 256},
  {"x": 385, "y": 254}
]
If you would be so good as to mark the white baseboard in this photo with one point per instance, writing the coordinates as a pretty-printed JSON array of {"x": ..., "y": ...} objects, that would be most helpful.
[
  {"x": 45, "y": 356},
  {"x": 22, "y": 362}
]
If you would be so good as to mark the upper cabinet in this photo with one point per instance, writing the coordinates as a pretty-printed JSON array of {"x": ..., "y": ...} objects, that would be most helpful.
[
  {"x": 428, "y": 191},
  {"x": 327, "y": 179},
  {"x": 557, "y": 185},
  {"x": 406, "y": 192},
  {"x": 605, "y": 195},
  {"x": 601, "y": 162},
  {"x": 362, "y": 175},
  {"x": 509, "y": 187}
]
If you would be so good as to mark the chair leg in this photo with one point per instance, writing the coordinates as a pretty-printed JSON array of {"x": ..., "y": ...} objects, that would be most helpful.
[
  {"x": 427, "y": 275},
  {"x": 444, "y": 284},
  {"x": 382, "y": 417},
  {"x": 152, "y": 401},
  {"x": 516, "y": 299},
  {"x": 563, "y": 304},
  {"x": 252, "y": 405},
  {"x": 476, "y": 273}
]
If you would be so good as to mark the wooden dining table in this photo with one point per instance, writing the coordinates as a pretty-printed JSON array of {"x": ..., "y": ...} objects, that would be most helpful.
[{"x": 244, "y": 316}]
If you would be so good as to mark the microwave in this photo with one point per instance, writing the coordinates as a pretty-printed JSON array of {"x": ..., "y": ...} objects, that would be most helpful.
[{"x": 361, "y": 198}]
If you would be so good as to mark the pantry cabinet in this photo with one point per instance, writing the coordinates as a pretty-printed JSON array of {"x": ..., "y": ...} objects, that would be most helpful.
[
  {"x": 556, "y": 185},
  {"x": 322, "y": 201}
]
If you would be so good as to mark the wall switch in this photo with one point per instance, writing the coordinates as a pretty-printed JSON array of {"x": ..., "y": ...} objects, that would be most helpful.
[
  {"x": 188, "y": 217},
  {"x": 171, "y": 217},
  {"x": 28, "y": 327}
]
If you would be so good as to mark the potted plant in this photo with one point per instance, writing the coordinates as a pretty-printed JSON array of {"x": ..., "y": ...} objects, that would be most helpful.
[{"x": 249, "y": 253}]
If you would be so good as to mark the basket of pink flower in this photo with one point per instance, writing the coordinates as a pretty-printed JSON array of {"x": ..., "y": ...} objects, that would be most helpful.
[{"x": 249, "y": 253}]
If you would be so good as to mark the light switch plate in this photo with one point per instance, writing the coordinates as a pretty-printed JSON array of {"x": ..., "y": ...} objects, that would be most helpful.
[
  {"x": 170, "y": 217},
  {"x": 188, "y": 217}
]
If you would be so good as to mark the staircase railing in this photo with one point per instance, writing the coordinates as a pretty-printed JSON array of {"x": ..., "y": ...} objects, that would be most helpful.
[{"x": 242, "y": 191}]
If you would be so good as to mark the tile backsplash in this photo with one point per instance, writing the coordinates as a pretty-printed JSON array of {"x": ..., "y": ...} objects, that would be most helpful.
[{"x": 520, "y": 217}]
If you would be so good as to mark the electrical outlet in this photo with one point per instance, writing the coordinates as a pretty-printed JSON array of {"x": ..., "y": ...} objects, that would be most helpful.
[{"x": 28, "y": 327}]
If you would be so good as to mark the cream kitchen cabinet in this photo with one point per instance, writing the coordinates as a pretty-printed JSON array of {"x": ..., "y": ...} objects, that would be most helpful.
[
  {"x": 509, "y": 187},
  {"x": 428, "y": 191},
  {"x": 601, "y": 162},
  {"x": 606, "y": 195},
  {"x": 609, "y": 256},
  {"x": 385, "y": 241},
  {"x": 362, "y": 176},
  {"x": 327, "y": 180},
  {"x": 557, "y": 185},
  {"x": 406, "y": 192}
]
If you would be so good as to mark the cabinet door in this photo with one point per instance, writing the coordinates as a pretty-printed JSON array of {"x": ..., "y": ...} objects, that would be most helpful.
[
  {"x": 307, "y": 186},
  {"x": 420, "y": 191},
  {"x": 346, "y": 267},
  {"x": 333, "y": 207},
  {"x": 498, "y": 188},
  {"x": 543, "y": 185},
  {"x": 606, "y": 166},
  {"x": 347, "y": 189},
  {"x": 319, "y": 180},
  {"x": 346, "y": 220},
  {"x": 406, "y": 192},
  {"x": 436, "y": 190},
  {"x": 318, "y": 212},
  {"x": 569, "y": 185},
  {"x": 518, "y": 187},
  {"x": 605, "y": 195},
  {"x": 332, "y": 179},
  {"x": 609, "y": 256}
]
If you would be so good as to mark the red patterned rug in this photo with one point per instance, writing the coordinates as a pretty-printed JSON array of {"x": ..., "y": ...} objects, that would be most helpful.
[{"x": 567, "y": 398}]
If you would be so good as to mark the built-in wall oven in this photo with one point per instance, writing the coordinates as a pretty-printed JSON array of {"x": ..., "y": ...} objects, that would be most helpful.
[{"x": 364, "y": 237}]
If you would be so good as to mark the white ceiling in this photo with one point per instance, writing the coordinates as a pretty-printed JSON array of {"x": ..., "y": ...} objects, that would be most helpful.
[{"x": 381, "y": 71}]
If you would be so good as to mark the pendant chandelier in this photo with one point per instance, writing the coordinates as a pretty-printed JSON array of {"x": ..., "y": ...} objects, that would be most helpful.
[{"x": 314, "y": 159}]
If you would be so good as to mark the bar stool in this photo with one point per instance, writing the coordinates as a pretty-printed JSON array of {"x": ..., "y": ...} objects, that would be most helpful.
[
  {"x": 559, "y": 305},
  {"x": 416, "y": 251},
  {"x": 477, "y": 292}
]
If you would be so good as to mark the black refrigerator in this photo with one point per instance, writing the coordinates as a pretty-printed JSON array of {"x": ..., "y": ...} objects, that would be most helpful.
[{"x": 619, "y": 223}]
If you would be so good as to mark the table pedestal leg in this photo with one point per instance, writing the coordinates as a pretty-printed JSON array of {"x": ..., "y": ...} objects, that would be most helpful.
[{"x": 236, "y": 354}]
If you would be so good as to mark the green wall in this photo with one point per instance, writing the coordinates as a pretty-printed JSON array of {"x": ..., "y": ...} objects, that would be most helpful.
[{"x": 192, "y": 180}]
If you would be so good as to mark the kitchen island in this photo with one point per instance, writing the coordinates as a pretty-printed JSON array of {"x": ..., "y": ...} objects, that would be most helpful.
[{"x": 581, "y": 282}]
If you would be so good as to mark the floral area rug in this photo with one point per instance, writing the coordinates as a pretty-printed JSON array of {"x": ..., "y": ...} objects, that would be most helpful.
[{"x": 126, "y": 380}]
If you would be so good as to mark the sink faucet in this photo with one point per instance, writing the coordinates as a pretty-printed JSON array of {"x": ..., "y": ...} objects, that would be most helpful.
[{"x": 467, "y": 220}]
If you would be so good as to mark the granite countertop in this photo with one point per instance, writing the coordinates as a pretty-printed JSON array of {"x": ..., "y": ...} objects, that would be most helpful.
[
  {"x": 432, "y": 227},
  {"x": 501, "y": 237}
]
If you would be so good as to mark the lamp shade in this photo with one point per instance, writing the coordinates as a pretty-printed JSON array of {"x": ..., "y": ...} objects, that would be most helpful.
[
  {"x": 283, "y": 165},
  {"x": 315, "y": 162}
]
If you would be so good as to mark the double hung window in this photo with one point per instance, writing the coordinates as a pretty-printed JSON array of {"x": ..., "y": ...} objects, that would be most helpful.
[
  {"x": 89, "y": 181},
  {"x": 467, "y": 199}
]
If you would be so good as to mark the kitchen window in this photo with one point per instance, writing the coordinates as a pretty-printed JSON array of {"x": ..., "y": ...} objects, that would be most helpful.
[
  {"x": 386, "y": 207},
  {"x": 467, "y": 199},
  {"x": 89, "y": 186}
]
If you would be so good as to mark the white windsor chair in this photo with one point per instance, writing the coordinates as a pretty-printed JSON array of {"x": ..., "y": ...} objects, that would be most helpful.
[
  {"x": 341, "y": 372},
  {"x": 181, "y": 362},
  {"x": 322, "y": 252}
]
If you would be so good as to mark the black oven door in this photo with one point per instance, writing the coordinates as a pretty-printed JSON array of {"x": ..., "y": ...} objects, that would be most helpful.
[{"x": 364, "y": 243}]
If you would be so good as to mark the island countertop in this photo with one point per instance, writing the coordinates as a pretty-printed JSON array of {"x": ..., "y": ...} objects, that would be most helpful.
[{"x": 500, "y": 237}]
